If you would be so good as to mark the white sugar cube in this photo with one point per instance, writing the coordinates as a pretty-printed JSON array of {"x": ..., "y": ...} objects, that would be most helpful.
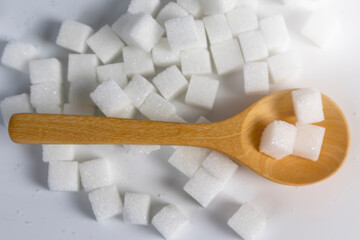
[
  {"x": 203, "y": 187},
  {"x": 321, "y": 28},
  {"x": 308, "y": 142},
  {"x": 157, "y": 108},
  {"x": 242, "y": 19},
  {"x": 17, "y": 55},
  {"x": 45, "y": 70},
  {"x": 78, "y": 109},
  {"x": 145, "y": 149},
  {"x": 202, "y": 119},
  {"x": 195, "y": 61},
  {"x": 202, "y": 92},
  {"x": 227, "y": 56},
  {"x": 105, "y": 202},
  {"x": 63, "y": 176},
  {"x": 210, "y": 7},
  {"x": 253, "y": 46},
  {"x": 169, "y": 221},
  {"x": 217, "y": 28},
  {"x": 111, "y": 100},
  {"x": 82, "y": 67},
  {"x": 247, "y": 221},
  {"x": 171, "y": 10},
  {"x": 248, "y": 3},
  {"x": 79, "y": 92},
  {"x": 138, "y": 89},
  {"x": 192, "y": 6},
  {"x": 143, "y": 31},
  {"x": 119, "y": 25},
  {"x": 95, "y": 174},
  {"x": 278, "y": 139},
  {"x": 284, "y": 67},
  {"x": 202, "y": 43},
  {"x": 182, "y": 33},
  {"x": 163, "y": 55},
  {"x": 15, "y": 104},
  {"x": 73, "y": 36},
  {"x": 308, "y": 105},
  {"x": 48, "y": 108},
  {"x": 105, "y": 44},
  {"x": 275, "y": 33},
  {"x": 112, "y": 72},
  {"x": 256, "y": 78},
  {"x": 176, "y": 118},
  {"x": 188, "y": 159},
  {"x": 220, "y": 166},
  {"x": 144, "y": 6},
  {"x": 47, "y": 93},
  {"x": 170, "y": 82},
  {"x": 136, "y": 208},
  {"x": 137, "y": 61},
  {"x": 57, "y": 152}
]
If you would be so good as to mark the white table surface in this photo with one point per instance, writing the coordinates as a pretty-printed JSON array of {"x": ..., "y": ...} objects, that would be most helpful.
[{"x": 327, "y": 210}]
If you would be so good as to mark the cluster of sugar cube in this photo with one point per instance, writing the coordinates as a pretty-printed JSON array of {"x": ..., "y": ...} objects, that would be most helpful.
[{"x": 280, "y": 139}]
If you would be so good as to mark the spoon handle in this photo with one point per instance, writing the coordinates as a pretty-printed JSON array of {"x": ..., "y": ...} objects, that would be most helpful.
[{"x": 32, "y": 128}]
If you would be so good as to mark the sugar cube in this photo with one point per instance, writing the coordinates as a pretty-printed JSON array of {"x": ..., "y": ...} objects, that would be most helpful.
[
  {"x": 176, "y": 118},
  {"x": 321, "y": 28},
  {"x": 138, "y": 89},
  {"x": 171, "y": 10},
  {"x": 202, "y": 43},
  {"x": 210, "y": 7},
  {"x": 73, "y": 36},
  {"x": 195, "y": 61},
  {"x": 137, "y": 61},
  {"x": 308, "y": 142},
  {"x": 15, "y": 104},
  {"x": 47, "y": 93},
  {"x": 163, "y": 55},
  {"x": 49, "y": 108},
  {"x": 188, "y": 159},
  {"x": 57, "y": 152},
  {"x": 284, "y": 67},
  {"x": 242, "y": 19},
  {"x": 182, "y": 33},
  {"x": 253, "y": 46},
  {"x": 63, "y": 176},
  {"x": 203, "y": 187},
  {"x": 202, "y": 92},
  {"x": 220, "y": 166},
  {"x": 278, "y": 139},
  {"x": 191, "y": 6},
  {"x": 227, "y": 56},
  {"x": 248, "y": 3},
  {"x": 112, "y": 72},
  {"x": 79, "y": 92},
  {"x": 275, "y": 33},
  {"x": 202, "y": 119},
  {"x": 145, "y": 149},
  {"x": 136, "y": 208},
  {"x": 111, "y": 100},
  {"x": 157, "y": 108},
  {"x": 82, "y": 67},
  {"x": 170, "y": 82},
  {"x": 95, "y": 174},
  {"x": 105, "y": 44},
  {"x": 17, "y": 55},
  {"x": 169, "y": 221},
  {"x": 78, "y": 109},
  {"x": 308, "y": 105},
  {"x": 45, "y": 70},
  {"x": 256, "y": 78},
  {"x": 247, "y": 221},
  {"x": 217, "y": 28},
  {"x": 145, "y": 6},
  {"x": 143, "y": 31},
  {"x": 119, "y": 25},
  {"x": 105, "y": 202}
]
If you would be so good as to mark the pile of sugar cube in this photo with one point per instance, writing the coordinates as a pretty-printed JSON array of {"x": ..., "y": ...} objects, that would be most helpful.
[{"x": 145, "y": 60}]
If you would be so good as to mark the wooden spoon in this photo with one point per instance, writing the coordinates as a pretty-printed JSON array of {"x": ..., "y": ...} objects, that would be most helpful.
[{"x": 238, "y": 137}]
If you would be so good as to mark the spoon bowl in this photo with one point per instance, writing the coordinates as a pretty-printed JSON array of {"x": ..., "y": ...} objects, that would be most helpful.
[{"x": 238, "y": 137}]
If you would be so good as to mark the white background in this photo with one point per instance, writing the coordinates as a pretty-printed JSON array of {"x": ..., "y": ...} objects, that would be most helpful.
[{"x": 327, "y": 210}]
